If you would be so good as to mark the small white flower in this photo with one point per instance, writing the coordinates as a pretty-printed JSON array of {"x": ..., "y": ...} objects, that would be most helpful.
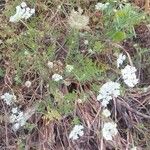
[
  {"x": 78, "y": 21},
  {"x": 28, "y": 84},
  {"x": 50, "y": 64},
  {"x": 8, "y": 98},
  {"x": 129, "y": 76},
  {"x": 69, "y": 68},
  {"x": 22, "y": 12},
  {"x": 16, "y": 126},
  {"x": 17, "y": 119},
  {"x": 12, "y": 118},
  {"x": 101, "y": 6},
  {"x": 26, "y": 52},
  {"x": 115, "y": 10},
  {"x": 86, "y": 42},
  {"x": 120, "y": 60},
  {"x": 21, "y": 119},
  {"x": 19, "y": 12},
  {"x": 14, "y": 110},
  {"x": 106, "y": 113},
  {"x": 108, "y": 91},
  {"x": 57, "y": 77},
  {"x": 76, "y": 132},
  {"x": 59, "y": 7},
  {"x": 29, "y": 12},
  {"x": 91, "y": 51},
  {"x": 32, "y": 11},
  {"x": 133, "y": 148},
  {"x": 23, "y": 5},
  {"x": 109, "y": 130}
]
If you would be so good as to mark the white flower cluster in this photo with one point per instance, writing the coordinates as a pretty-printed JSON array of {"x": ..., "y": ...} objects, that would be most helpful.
[
  {"x": 120, "y": 60},
  {"x": 17, "y": 118},
  {"x": 108, "y": 91},
  {"x": 106, "y": 113},
  {"x": 78, "y": 21},
  {"x": 101, "y": 6},
  {"x": 86, "y": 42},
  {"x": 76, "y": 132},
  {"x": 109, "y": 130},
  {"x": 57, "y": 77},
  {"x": 50, "y": 64},
  {"x": 8, "y": 98},
  {"x": 28, "y": 84},
  {"x": 69, "y": 68},
  {"x": 129, "y": 76},
  {"x": 133, "y": 148},
  {"x": 22, "y": 12}
]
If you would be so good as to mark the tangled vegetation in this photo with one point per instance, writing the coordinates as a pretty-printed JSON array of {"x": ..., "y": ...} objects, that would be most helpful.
[{"x": 75, "y": 75}]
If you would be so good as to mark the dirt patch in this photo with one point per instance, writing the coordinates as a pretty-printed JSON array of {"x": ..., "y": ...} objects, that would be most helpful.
[{"x": 142, "y": 35}]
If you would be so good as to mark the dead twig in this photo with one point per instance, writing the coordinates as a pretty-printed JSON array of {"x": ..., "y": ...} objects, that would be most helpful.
[{"x": 124, "y": 104}]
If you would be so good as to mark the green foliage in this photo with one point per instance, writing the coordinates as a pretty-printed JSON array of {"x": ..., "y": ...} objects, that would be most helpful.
[
  {"x": 1, "y": 72},
  {"x": 119, "y": 36},
  {"x": 17, "y": 79},
  {"x": 98, "y": 46},
  {"x": 25, "y": 52},
  {"x": 51, "y": 115},
  {"x": 76, "y": 121},
  {"x": 66, "y": 106},
  {"x": 21, "y": 144},
  {"x": 30, "y": 126},
  {"x": 85, "y": 69},
  {"x": 120, "y": 23}
]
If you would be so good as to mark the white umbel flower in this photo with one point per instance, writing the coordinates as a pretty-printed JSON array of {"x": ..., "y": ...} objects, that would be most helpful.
[
  {"x": 28, "y": 84},
  {"x": 129, "y": 76},
  {"x": 101, "y": 6},
  {"x": 86, "y": 42},
  {"x": 14, "y": 110},
  {"x": 23, "y": 5},
  {"x": 69, "y": 68},
  {"x": 50, "y": 64},
  {"x": 109, "y": 130},
  {"x": 17, "y": 119},
  {"x": 108, "y": 91},
  {"x": 29, "y": 12},
  {"x": 76, "y": 132},
  {"x": 120, "y": 60},
  {"x": 133, "y": 148},
  {"x": 106, "y": 113},
  {"x": 22, "y": 12},
  {"x": 78, "y": 21},
  {"x": 19, "y": 12},
  {"x": 8, "y": 98},
  {"x": 57, "y": 77}
]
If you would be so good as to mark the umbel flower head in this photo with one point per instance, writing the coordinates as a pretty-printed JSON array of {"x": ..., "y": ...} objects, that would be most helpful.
[
  {"x": 22, "y": 12},
  {"x": 108, "y": 91},
  {"x": 129, "y": 76},
  {"x": 56, "y": 77},
  {"x": 69, "y": 68},
  {"x": 8, "y": 98},
  {"x": 17, "y": 118},
  {"x": 78, "y": 21},
  {"x": 101, "y": 6},
  {"x": 76, "y": 132},
  {"x": 109, "y": 130},
  {"x": 106, "y": 113},
  {"x": 120, "y": 60},
  {"x": 133, "y": 148}
]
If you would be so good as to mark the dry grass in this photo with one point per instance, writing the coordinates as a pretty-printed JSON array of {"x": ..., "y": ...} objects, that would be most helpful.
[{"x": 49, "y": 34}]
